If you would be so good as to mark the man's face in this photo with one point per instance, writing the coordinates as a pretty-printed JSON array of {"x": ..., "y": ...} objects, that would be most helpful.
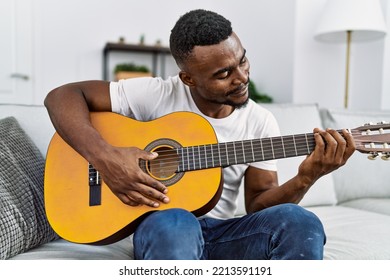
[{"x": 218, "y": 74}]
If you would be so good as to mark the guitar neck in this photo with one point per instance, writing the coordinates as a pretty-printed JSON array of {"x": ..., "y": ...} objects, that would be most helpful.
[{"x": 246, "y": 151}]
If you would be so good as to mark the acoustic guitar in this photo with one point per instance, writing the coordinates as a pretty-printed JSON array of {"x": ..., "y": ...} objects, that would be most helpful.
[{"x": 82, "y": 209}]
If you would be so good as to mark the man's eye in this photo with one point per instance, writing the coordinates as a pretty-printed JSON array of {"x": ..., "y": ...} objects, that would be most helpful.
[{"x": 223, "y": 75}]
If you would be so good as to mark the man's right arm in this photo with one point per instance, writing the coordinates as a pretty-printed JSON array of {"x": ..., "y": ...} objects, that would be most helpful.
[{"x": 69, "y": 107}]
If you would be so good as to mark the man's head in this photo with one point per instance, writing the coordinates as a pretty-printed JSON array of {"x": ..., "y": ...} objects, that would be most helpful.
[
  {"x": 212, "y": 62},
  {"x": 197, "y": 28}
]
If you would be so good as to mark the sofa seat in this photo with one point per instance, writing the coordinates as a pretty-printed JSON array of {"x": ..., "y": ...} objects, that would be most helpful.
[
  {"x": 61, "y": 249},
  {"x": 354, "y": 234}
]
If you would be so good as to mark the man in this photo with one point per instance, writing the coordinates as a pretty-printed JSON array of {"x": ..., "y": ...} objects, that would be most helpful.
[{"x": 213, "y": 82}]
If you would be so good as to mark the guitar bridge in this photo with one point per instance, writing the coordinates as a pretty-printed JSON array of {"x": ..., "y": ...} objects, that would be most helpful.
[{"x": 95, "y": 186}]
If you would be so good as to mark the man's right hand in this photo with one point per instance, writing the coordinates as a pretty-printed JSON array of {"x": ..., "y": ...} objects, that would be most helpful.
[{"x": 120, "y": 170}]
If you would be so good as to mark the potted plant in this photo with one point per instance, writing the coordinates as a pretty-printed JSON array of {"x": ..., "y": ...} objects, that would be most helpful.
[
  {"x": 256, "y": 95},
  {"x": 131, "y": 70}
]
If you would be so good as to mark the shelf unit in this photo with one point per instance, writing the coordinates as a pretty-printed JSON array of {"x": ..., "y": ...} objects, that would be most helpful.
[{"x": 156, "y": 52}]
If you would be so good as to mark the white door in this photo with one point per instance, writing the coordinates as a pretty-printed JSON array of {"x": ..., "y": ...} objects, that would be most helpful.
[{"x": 16, "y": 52}]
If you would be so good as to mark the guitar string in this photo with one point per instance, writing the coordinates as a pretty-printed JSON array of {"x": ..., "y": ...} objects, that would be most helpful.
[
  {"x": 281, "y": 141},
  {"x": 195, "y": 158},
  {"x": 171, "y": 161},
  {"x": 246, "y": 143}
]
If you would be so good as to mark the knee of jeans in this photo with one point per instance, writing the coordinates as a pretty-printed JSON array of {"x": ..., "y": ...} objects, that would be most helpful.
[
  {"x": 295, "y": 216},
  {"x": 167, "y": 222}
]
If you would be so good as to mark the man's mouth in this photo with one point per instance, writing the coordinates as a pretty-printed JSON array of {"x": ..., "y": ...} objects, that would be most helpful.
[{"x": 240, "y": 91}]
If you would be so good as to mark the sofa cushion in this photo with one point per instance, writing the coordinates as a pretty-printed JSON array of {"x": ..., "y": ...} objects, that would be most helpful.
[
  {"x": 377, "y": 205},
  {"x": 296, "y": 119},
  {"x": 23, "y": 223},
  {"x": 353, "y": 234},
  {"x": 34, "y": 120},
  {"x": 360, "y": 177}
]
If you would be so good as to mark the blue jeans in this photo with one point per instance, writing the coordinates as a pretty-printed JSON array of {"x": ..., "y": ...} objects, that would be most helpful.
[{"x": 282, "y": 232}]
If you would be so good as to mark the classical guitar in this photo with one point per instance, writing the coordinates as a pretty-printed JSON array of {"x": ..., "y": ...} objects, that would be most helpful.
[{"x": 82, "y": 209}]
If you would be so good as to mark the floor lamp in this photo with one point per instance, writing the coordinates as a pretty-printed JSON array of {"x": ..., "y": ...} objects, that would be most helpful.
[{"x": 350, "y": 20}]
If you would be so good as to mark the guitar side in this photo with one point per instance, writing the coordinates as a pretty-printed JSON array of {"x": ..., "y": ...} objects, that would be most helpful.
[{"x": 66, "y": 186}]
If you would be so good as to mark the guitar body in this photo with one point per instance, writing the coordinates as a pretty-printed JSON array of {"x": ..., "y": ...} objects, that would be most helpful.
[{"x": 67, "y": 191}]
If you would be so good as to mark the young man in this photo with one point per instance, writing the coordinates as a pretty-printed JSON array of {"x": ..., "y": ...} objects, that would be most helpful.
[{"x": 212, "y": 82}]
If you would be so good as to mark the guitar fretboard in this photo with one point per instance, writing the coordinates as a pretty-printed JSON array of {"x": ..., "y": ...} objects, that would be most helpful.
[{"x": 246, "y": 151}]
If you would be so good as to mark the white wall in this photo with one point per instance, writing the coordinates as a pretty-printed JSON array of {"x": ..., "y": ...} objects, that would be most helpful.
[
  {"x": 286, "y": 61},
  {"x": 385, "y": 100},
  {"x": 70, "y": 36},
  {"x": 319, "y": 68}
]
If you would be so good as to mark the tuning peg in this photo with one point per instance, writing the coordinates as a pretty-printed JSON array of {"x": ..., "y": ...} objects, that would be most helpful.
[
  {"x": 386, "y": 157},
  {"x": 372, "y": 156}
]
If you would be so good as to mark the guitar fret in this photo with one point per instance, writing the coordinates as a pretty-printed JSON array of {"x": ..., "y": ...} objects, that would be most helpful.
[
  {"x": 272, "y": 148},
  {"x": 307, "y": 144},
  {"x": 212, "y": 154},
  {"x": 219, "y": 154},
  {"x": 267, "y": 149},
  {"x": 188, "y": 160},
  {"x": 217, "y": 159},
  {"x": 205, "y": 155},
  {"x": 283, "y": 148},
  {"x": 231, "y": 156},
  {"x": 227, "y": 154},
  {"x": 235, "y": 154},
  {"x": 226, "y": 163},
  {"x": 289, "y": 141},
  {"x": 253, "y": 153},
  {"x": 278, "y": 149},
  {"x": 243, "y": 151},
  {"x": 193, "y": 157},
  {"x": 260, "y": 155},
  {"x": 295, "y": 145},
  {"x": 200, "y": 160}
]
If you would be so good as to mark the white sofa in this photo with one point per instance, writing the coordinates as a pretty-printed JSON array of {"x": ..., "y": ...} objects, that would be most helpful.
[{"x": 353, "y": 202}]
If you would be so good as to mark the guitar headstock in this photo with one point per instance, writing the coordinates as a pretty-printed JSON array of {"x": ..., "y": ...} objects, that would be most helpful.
[{"x": 373, "y": 139}]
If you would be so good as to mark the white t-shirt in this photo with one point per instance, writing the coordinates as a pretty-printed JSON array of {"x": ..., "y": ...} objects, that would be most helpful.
[{"x": 146, "y": 99}]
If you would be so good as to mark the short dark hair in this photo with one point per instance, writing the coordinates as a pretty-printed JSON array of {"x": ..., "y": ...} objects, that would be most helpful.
[{"x": 197, "y": 28}]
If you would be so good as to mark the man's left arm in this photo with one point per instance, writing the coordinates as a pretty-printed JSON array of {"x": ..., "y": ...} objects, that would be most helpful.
[{"x": 332, "y": 150}]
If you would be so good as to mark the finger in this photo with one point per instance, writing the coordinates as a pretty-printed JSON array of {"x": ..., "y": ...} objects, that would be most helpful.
[
  {"x": 320, "y": 143},
  {"x": 341, "y": 145},
  {"x": 147, "y": 155},
  {"x": 153, "y": 190},
  {"x": 126, "y": 200},
  {"x": 331, "y": 144},
  {"x": 155, "y": 184},
  {"x": 350, "y": 143},
  {"x": 142, "y": 200}
]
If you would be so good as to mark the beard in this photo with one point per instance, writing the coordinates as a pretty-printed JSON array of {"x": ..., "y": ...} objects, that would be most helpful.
[{"x": 238, "y": 105}]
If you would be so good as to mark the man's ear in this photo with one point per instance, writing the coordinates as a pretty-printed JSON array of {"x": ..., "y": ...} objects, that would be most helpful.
[{"x": 186, "y": 79}]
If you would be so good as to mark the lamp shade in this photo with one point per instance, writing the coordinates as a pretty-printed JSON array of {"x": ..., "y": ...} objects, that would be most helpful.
[{"x": 363, "y": 17}]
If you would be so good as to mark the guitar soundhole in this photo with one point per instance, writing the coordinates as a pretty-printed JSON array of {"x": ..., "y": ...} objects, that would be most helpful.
[{"x": 164, "y": 167}]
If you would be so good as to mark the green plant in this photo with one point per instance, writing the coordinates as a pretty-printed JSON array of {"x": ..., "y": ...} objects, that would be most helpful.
[
  {"x": 130, "y": 67},
  {"x": 257, "y": 96}
]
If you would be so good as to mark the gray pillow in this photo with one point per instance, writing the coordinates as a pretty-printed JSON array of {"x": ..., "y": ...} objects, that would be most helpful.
[{"x": 23, "y": 223}]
